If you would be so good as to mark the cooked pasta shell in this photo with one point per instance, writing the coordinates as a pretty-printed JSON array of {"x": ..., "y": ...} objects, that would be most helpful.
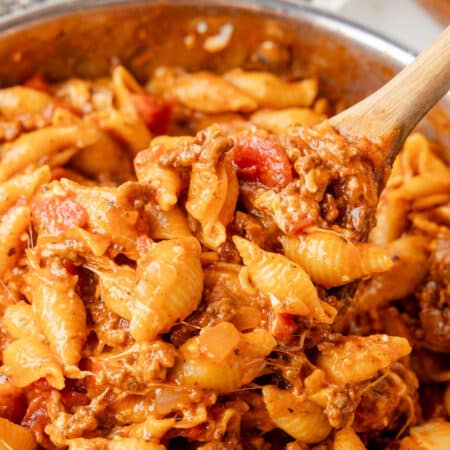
[
  {"x": 212, "y": 198},
  {"x": 14, "y": 436},
  {"x": 155, "y": 166},
  {"x": 31, "y": 148},
  {"x": 392, "y": 219},
  {"x": 73, "y": 242},
  {"x": 240, "y": 363},
  {"x": 331, "y": 260},
  {"x": 226, "y": 275},
  {"x": 416, "y": 158},
  {"x": 105, "y": 158},
  {"x": 128, "y": 127},
  {"x": 133, "y": 444},
  {"x": 12, "y": 227},
  {"x": 115, "y": 285},
  {"x": 409, "y": 254},
  {"x": 354, "y": 359},
  {"x": 18, "y": 100},
  {"x": 61, "y": 314},
  {"x": 430, "y": 160},
  {"x": 299, "y": 417},
  {"x": 208, "y": 375},
  {"x": 87, "y": 444},
  {"x": 164, "y": 180},
  {"x": 22, "y": 187},
  {"x": 297, "y": 446},
  {"x": 151, "y": 428},
  {"x": 170, "y": 148},
  {"x": 125, "y": 122},
  {"x": 271, "y": 91},
  {"x": 279, "y": 121},
  {"x": 230, "y": 123},
  {"x": 435, "y": 366},
  {"x": 201, "y": 91},
  {"x": 20, "y": 321},
  {"x": 104, "y": 216},
  {"x": 347, "y": 439},
  {"x": 169, "y": 287},
  {"x": 438, "y": 200},
  {"x": 62, "y": 157},
  {"x": 116, "y": 290},
  {"x": 28, "y": 359},
  {"x": 119, "y": 443},
  {"x": 286, "y": 284},
  {"x": 170, "y": 224},
  {"x": 85, "y": 94},
  {"x": 424, "y": 185},
  {"x": 433, "y": 435},
  {"x": 63, "y": 117},
  {"x": 124, "y": 85}
]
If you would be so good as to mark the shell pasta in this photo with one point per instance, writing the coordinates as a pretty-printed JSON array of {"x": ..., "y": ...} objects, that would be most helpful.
[{"x": 183, "y": 267}]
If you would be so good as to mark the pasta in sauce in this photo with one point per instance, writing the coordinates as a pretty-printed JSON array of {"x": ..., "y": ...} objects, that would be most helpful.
[{"x": 174, "y": 261}]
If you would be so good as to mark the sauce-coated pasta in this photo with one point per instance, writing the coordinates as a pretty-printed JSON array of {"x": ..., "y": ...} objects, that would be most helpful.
[{"x": 182, "y": 267}]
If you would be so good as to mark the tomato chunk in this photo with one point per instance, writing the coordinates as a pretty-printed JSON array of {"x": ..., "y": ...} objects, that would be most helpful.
[
  {"x": 283, "y": 327},
  {"x": 155, "y": 112},
  {"x": 55, "y": 213},
  {"x": 261, "y": 160}
]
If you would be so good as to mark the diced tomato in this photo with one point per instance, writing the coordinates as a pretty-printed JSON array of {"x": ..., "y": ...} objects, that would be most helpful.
[
  {"x": 55, "y": 213},
  {"x": 283, "y": 327},
  {"x": 155, "y": 112},
  {"x": 258, "y": 159},
  {"x": 38, "y": 83}
]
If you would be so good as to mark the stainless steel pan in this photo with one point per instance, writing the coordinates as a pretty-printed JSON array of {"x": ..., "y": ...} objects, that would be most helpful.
[{"x": 86, "y": 37}]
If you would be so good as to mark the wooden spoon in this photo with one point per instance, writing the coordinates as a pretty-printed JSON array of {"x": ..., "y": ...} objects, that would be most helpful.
[{"x": 388, "y": 115}]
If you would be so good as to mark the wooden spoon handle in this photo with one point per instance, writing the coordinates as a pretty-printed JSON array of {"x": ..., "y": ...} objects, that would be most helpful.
[{"x": 387, "y": 116}]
